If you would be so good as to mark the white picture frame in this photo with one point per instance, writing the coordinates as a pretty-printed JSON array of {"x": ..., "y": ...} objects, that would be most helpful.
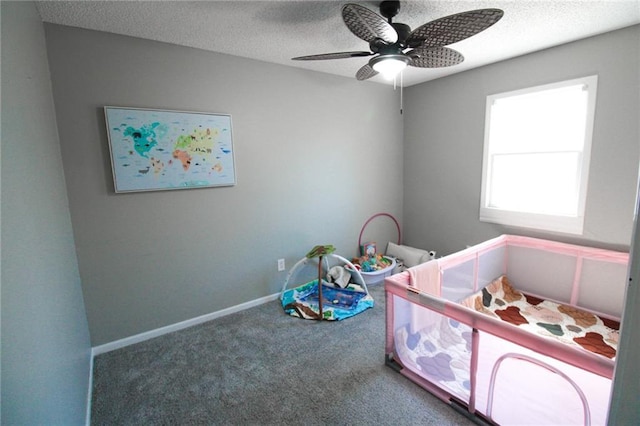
[{"x": 158, "y": 150}]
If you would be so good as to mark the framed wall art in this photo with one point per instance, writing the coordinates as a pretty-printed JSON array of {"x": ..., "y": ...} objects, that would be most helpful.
[{"x": 153, "y": 150}]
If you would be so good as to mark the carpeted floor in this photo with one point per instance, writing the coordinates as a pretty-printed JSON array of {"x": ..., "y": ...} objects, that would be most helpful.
[{"x": 262, "y": 367}]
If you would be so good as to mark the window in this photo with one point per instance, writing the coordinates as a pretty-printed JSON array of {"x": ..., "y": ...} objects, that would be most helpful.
[{"x": 537, "y": 148}]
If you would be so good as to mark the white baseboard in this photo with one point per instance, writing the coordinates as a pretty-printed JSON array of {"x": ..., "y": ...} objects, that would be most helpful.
[{"x": 108, "y": 347}]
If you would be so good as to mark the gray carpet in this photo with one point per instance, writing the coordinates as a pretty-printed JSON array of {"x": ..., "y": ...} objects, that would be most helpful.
[{"x": 263, "y": 367}]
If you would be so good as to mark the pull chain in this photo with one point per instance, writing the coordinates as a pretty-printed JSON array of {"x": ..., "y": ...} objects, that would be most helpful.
[
  {"x": 401, "y": 92},
  {"x": 395, "y": 85}
]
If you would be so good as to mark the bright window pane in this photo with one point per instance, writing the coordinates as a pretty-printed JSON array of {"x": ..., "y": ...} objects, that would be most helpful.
[
  {"x": 552, "y": 120},
  {"x": 538, "y": 183}
]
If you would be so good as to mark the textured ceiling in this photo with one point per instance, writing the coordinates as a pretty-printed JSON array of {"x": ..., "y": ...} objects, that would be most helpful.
[{"x": 276, "y": 31}]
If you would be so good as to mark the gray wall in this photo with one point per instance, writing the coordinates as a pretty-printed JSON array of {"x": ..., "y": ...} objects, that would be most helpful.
[
  {"x": 316, "y": 155},
  {"x": 45, "y": 338},
  {"x": 444, "y": 136},
  {"x": 444, "y": 130}
]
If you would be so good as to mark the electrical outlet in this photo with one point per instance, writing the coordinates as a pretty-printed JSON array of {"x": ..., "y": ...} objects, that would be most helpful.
[{"x": 280, "y": 264}]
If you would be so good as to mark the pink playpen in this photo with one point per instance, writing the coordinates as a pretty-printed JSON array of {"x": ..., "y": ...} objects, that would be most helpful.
[{"x": 515, "y": 330}]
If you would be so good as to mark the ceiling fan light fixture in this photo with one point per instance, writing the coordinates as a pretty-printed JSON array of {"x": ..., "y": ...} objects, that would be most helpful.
[{"x": 389, "y": 65}]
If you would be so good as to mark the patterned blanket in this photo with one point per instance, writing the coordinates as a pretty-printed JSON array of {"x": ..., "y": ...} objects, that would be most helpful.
[
  {"x": 441, "y": 351},
  {"x": 562, "y": 322}
]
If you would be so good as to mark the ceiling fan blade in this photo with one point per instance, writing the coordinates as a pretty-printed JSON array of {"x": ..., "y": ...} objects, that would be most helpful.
[
  {"x": 365, "y": 72},
  {"x": 337, "y": 55},
  {"x": 435, "y": 57},
  {"x": 454, "y": 28},
  {"x": 368, "y": 25}
]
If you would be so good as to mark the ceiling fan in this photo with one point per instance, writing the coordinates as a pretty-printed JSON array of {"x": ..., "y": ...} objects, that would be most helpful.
[{"x": 394, "y": 46}]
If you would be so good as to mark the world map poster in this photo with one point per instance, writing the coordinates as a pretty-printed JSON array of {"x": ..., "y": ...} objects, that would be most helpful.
[{"x": 160, "y": 150}]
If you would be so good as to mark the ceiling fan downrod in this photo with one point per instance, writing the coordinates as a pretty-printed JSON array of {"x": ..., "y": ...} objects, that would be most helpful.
[{"x": 389, "y": 9}]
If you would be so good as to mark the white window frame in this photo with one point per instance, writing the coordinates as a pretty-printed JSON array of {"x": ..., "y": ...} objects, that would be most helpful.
[{"x": 570, "y": 223}]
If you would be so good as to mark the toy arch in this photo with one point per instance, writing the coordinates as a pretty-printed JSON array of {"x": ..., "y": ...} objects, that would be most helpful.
[{"x": 338, "y": 304}]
